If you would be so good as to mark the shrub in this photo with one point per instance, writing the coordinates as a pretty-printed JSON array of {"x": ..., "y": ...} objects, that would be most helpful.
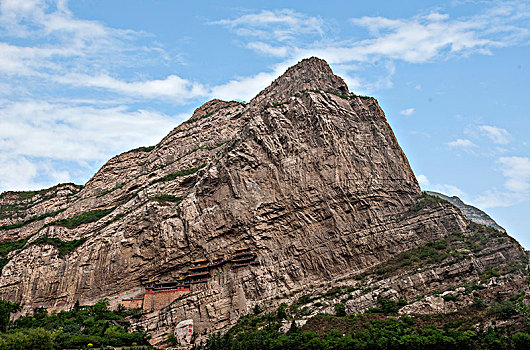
[
  {"x": 30, "y": 220},
  {"x": 179, "y": 173},
  {"x": 30, "y": 339},
  {"x": 304, "y": 299},
  {"x": 521, "y": 341},
  {"x": 80, "y": 326},
  {"x": 479, "y": 303},
  {"x": 63, "y": 247},
  {"x": 6, "y": 309},
  {"x": 340, "y": 310},
  {"x": 425, "y": 202},
  {"x": 450, "y": 297},
  {"x": 504, "y": 310},
  {"x": 281, "y": 313},
  {"x": 257, "y": 309},
  {"x": 168, "y": 198},
  {"x": 84, "y": 218},
  {"x": 171, "y": 339},
  {"x": 143, "y": 149},
  {"x": 387, "y": 306},
  {"x": 489, "y": 273}
]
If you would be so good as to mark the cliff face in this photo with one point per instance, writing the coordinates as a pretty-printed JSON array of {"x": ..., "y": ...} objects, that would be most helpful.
[{"x": 307, "y": 176}]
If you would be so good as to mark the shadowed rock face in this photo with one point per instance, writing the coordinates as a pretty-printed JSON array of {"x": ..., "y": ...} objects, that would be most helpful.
[{"x": 307, "y": 175}]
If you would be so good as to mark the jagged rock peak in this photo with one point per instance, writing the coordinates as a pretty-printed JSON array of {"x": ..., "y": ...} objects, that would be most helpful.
[
  {"x": 211, "y": 107},
  {"x": 309, "y": 74}
]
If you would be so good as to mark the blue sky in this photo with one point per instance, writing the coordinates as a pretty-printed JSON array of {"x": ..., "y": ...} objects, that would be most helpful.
[{"x": 81, "y": 81}]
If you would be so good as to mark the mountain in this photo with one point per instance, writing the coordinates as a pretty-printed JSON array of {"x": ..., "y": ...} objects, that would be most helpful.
[
  {"x": 303, "y": 195},
  {"x": 472, "y": 213}
]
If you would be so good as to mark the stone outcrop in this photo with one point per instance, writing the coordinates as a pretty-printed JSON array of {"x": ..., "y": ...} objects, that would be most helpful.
[
  {"x": 308, "y": 175},
  {"x": 472, "y": 213}
]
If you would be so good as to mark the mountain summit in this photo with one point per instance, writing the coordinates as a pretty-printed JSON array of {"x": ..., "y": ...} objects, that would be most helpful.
[
  {"x": 247, "y": 206},
  {"x": 309, "y": 74}
]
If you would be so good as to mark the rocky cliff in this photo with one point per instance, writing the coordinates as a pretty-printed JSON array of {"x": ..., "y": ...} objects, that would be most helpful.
[
  {"x": 307, "y": 175},
  {"x": 472, "y": 213}
]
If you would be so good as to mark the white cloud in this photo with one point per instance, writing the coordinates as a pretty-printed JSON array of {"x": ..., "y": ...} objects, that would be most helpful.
[
  {"x": 495, "y": 199},
  {"x": 446, "y": 189},
  {"x": 277, "y": 51},
  {"x": 60, "y": 50},
  {"x": 423, "y": 180},
  {"x": 77, "y": 133},
  {"x": 517, "y": 172},
  {"x": 449, "y": 190},
  {"x": 63, "y": 50},
  {"x": 172, "y": 87},
  {"x": 497, "y": 135},
  {"x": 279, "y": 25},
  {"x": 51, "y": 23},
  {"x": 37, "y": 139},
  {"x": 16, "y": 173},
  {"x": 245, "y": 88},
  {"x": 407, "y": 111},
  {"x": 419, "y": 39},
  {"x": 461, "y": 143}
]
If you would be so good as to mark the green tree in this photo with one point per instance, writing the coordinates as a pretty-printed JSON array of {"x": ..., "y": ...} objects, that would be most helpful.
[
  {"x": 340, "y": 310},
  {"x": 521, "y": 340},
  {"x": 281, "y": 313},
  {"x": 39, "y": 339},
  {"x": 257, "y": 310},
  {"x": 101, "y": 308},
  {"x": 171, "y": 339},
  {"x": 6, "y": 309},
  {"x": 32, "y": 339}
]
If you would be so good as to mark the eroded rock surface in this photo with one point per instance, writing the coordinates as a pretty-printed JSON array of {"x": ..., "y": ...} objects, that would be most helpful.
[{"x": 307, "y": 175}]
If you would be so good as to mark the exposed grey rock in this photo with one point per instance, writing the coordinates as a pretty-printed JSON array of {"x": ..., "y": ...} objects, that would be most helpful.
[{"x": 472, "y": 213}]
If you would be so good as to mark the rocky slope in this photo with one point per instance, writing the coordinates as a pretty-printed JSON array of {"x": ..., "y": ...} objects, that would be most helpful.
[
  {"x": 307, "y": 175},
  {"x": 472, "y": 213}
]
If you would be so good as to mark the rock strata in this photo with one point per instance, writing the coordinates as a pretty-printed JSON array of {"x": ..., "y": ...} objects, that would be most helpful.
[
  {"x": 472, "y": 213},
  {"x": 307, "y": 175}
]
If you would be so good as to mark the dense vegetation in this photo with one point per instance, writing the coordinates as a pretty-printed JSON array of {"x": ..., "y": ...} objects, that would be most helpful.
[
  {"x": 63, "y": 247},
  {"x": 426, "y": 201},
  {"x": 7, "y": 247},
  {"x": 380, "y": 328},
  {"x": 179, "y": 173},
  {"x": 168, "y": 198},
  {"x": 143, "y": 149},
  {"x": 84, "y": 218},
  {"x": 452, "y": 248},
  {"x": 30, "y": 220},
  {"x": 95, "y": 325},
  {"x": 22, "y": 195}
]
